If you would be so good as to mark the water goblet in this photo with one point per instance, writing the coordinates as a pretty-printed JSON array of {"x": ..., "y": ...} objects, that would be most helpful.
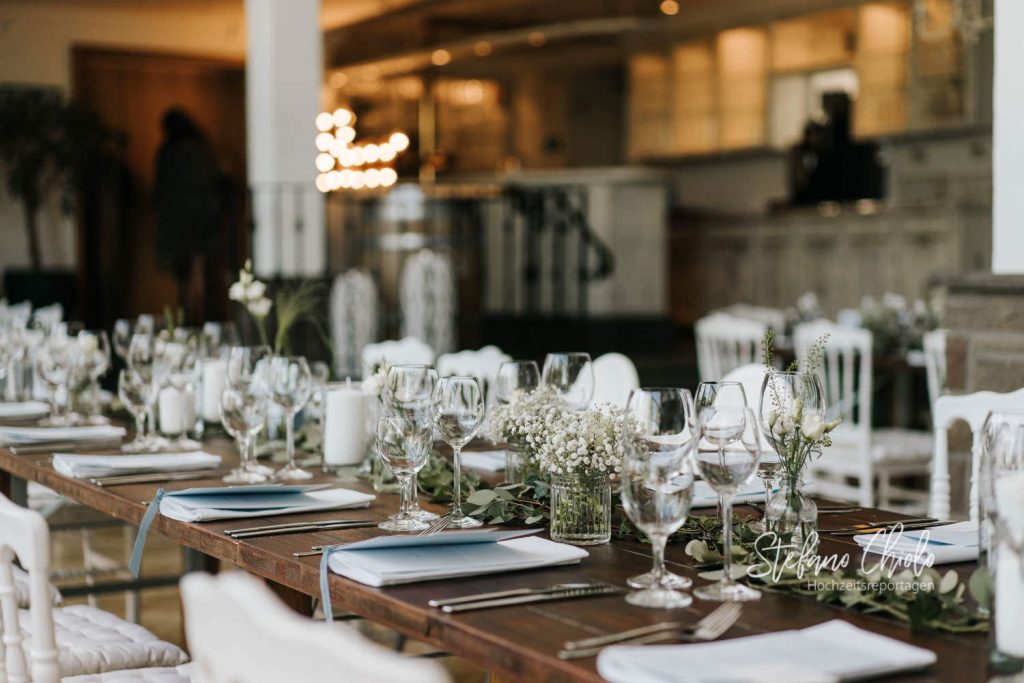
[
  {"x": 404, "y": 444},
  {"x": 291, "y": 384},
  {"x": 408, "y": 389},
  {"x": 93, "y": 361},
  {"x": 53, "y": 363},
  {"x": 458, "y": 412},
  {"x": 243, "y": 413},
  {"x": 137, "y": 394},
  {"x": 572, "y": 375},
  {"x": 516, "y": 377},
  {"x": 726, "y": 452},
  {"x": 657, "y": 428}
]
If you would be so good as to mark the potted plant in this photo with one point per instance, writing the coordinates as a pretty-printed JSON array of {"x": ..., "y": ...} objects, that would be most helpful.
[{"x": 48, "y": 145}]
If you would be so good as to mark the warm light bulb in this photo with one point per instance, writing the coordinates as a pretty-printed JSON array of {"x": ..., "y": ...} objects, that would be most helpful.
[
  {"x": 371, "y": 153},
  {"x": 440, "y": 57},
  {"x": 347, "y": 158},
  {"x": 337, "y": 148},
  {"x": 387, "y": 151},
  {"x": 346, "y": 134},
  {"x": 342, "y": 117},
  {"x": 400, "y": 141},
  {"x": 346, "y": 179},
  {"x": 388, "y": 177},
  {"x": 358, "y": 180},
  {"x": 324, "y": 162},
  {"x": 358, "y": 156},
  {"x": 323, "y": 141},
  {"x": 334, "y": 180},
  {"x": 372, "y": 177},
  {"x": 321, "y": 183},
  {"x": 669, "y": 7},
  {"x": 482, "y": 48},
  {"x": 536, "y": 39},
  {"x": 324, "y": 121}
]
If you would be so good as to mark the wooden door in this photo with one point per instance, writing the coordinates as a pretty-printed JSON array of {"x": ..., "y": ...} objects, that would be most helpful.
[{"x": 131, "y": 91}]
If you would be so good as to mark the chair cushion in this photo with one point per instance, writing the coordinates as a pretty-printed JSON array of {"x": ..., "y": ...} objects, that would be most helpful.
[
  {"x": 93, "y": 641},
  {"x": 157, "y": 674},
  {"x": 902, "y": 445}
]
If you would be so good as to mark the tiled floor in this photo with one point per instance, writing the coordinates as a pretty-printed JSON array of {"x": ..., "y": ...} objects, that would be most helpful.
[{"x": 161, "y": 609}]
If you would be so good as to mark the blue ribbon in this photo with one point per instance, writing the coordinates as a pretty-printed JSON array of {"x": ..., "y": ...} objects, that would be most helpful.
[
  {"x": 325, "y": 591},
  {"x": 140, "y": 538}
]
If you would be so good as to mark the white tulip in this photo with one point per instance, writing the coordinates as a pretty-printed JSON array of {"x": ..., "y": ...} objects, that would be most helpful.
[
  {"x": 255, "y": 290},
  {"x": 813, "y": 427},
  {"x": 260, "y": 308},
  {"x": 237, "y": 292}
]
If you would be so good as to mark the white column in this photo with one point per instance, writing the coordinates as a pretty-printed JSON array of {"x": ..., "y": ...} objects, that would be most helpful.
[
  {"x": 1008, "y": 139},
  {"x": 284, "y": 74}
]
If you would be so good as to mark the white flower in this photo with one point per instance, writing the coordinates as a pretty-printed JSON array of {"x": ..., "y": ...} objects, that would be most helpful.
[
  {"x": 237, "y": 292},
  {"x": 813, "y": 427},
  {"x": 773, "y": 415},
  {"x": 788, "y": 425},
  {"x": 255, "y": 290},
  {"x": 260, "y": 307}
]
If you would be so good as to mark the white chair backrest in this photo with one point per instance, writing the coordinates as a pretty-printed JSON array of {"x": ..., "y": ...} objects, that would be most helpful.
[
  {"x": 239, "y": 631},
  {"x": 972, "y": 409},
  {"x": 427, "y": 298},
  {"x": 845, "y": 371},
  {"x": 614, "y": 377},
  {"x": 725, "y": 342},
  {"x": 25, "y": 536},
  {"x": 407, "y": 351},
  {"x": 482, "y": 364},
  {"x": 935, "y": 363},
  {"x": 769, "y": 317},
  {"x": 751, "y": 376},
  {"x": 354, "y": 318}
]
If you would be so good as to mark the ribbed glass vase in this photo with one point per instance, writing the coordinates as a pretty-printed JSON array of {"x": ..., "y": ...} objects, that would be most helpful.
[{"x": 581, "y": 509}]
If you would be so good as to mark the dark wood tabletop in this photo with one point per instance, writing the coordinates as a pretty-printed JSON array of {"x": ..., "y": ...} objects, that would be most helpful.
[{"x": 518, "y": 643}]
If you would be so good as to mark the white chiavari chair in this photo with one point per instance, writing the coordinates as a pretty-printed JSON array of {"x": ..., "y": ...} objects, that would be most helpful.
[
  {"x": 935, "y": 364},
  {"x": 407, "y": 351},
  {"x": 354, "y": 318},
  {"x": 427, "y": 298},
  {"x": 239, "y": 631},
  {"x": 614, "y": 377},
  {"x": 971, "y": 409},
  {"x": 725, "y": 342},
  {"x": 859, "y": 452},
  {"x": 43, "y": 643},
  {"x": 482, "y": 364},
  {"x": 751, "y": 376},
  {"x": 769, "y": 317}
]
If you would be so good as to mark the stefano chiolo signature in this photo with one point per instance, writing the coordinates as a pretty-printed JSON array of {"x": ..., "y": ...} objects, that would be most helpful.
[{"x": 883, "y": 554}]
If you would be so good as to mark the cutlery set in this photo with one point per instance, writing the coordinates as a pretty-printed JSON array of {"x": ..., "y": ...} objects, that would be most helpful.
[
  {"x": 37, "y": 447},
  {"x": 874, "y": 527},
  {"x": 151, "y": 478},
  {"x": 299, "y": 528},
  {"x": 525, "y": 596}
]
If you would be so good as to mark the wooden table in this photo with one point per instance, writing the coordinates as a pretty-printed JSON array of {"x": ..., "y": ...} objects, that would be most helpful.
[{"x": 517, "y": 643}]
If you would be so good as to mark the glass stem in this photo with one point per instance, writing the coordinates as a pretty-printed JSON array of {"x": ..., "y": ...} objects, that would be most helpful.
[
  {"x": 457, "y": 492},
  {"x": 727, "y": 539},
  {"x": 289, "y": 430},
  {"x": 658, "y": 547},
  {"x": 140, "y": 424},
  {"x": 404, "y": 511},
  {"x": 412, "y": 494}
]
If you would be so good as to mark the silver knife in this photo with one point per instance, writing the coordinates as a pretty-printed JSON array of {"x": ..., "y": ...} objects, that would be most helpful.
[
  {"x": 37, "y": 447},
  {"x": 514, "y": 592},
  {"x": 906, "y": 527},
  {"x": 529, "y": 599},
  {"x": 876, "y": 525},
  {"x": 117, "y": 479},
  {"x": 288, "y": 525},
  {"x": 305, "y": 529}
]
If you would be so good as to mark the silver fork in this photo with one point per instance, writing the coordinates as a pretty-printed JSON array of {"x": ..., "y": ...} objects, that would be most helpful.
[
  {"x": 440, "y": 524},
  {"x": 710, "y": 627}
]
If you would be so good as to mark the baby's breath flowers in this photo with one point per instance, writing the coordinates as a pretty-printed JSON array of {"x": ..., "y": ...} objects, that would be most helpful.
[{"x": 579, "y": 442}]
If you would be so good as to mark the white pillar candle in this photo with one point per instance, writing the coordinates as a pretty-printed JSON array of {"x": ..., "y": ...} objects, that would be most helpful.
[
  {"x": 214, "y": 370},
  {"x": 344, "y": 425},
  {"x": 177, "y": 410},
  {"x": 1009, "y": 564}
]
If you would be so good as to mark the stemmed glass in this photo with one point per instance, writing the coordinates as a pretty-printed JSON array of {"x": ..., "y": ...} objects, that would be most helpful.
[
  {"x": 54, "y": 362},
  {"x": 404, "y": 444},
  {"x": 125, "y": 329},
  {"x": 137, "y": 393},
  {"x": 92, "y": 362},
  {"x": 657, "y": 488},
  {"x": 407, "y": 391},
  {"x": 291, "y": 384},
  {"x": 246, "y": 365},
  {"x": 726, "y": 455},
  {"x": 572, "y": 375},
  {"x": 243, "y": 410},
  {"x": 516, "y": 377},
  {"x": 458, "y": 411}
]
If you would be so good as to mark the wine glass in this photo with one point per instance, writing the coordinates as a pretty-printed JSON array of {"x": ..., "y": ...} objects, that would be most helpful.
[
  {"x": 404, "y": 444},
  {"x": 245, "y": 364},
  {"x": 572, "y": 375},
  {"x": 137, "y": 393},
  {"x": 291, "y": 384},
  {"x": 458, "y": 411},
  {"x": 726, "y": 454},
  {"x": 243, "y": 412},
  {"x": 515, "y": 378},
  {"x": 656, "y": 434},
  {"x": 92, "y": 362},
  {"x": 408, "y": 390},
  {"x": 54, "y": 361}
]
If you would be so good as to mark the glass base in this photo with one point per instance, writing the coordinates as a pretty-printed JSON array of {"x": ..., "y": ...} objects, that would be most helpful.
[
  {"x": 137, "y": 445},
  {"x": 464, "y": 522},
  {"x": 245, "y": 476},
  {"x": 263, "y": 469},
  {"x": 650, "y": 579},
  {"x": 292, "y": 473},
  {"x": 404, "y": 524},
  {"x": 732, "y": 592},
  {"x": 97, "y": 420},
  {"x": 60, "y": 421},
  {"x": 183, "y": 443},
  {"x": 659, "y": 598},
  {"x": 424, "y": 515}
]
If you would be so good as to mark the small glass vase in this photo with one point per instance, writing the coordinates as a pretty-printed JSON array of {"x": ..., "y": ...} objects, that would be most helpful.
[
  {"x": 792, "y": 516},
  {"x": 581, "y": 509},
  {"x": 517, "y": 462}
]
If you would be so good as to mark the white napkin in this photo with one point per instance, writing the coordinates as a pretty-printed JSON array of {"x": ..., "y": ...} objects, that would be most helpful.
[
  {"x": 86, "y": 466},
  {"x": 15, "y": 435},
  {"x": 944, "y": 544},
  {"x": 23, "y": 409},
  {"x": 487, "y": 461},
  {"x": 237, "y": 502},
  {"x": 447, "y": 555},
  {"x": 704, "y": 496},
  {"x": 833, "y": 651}
]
